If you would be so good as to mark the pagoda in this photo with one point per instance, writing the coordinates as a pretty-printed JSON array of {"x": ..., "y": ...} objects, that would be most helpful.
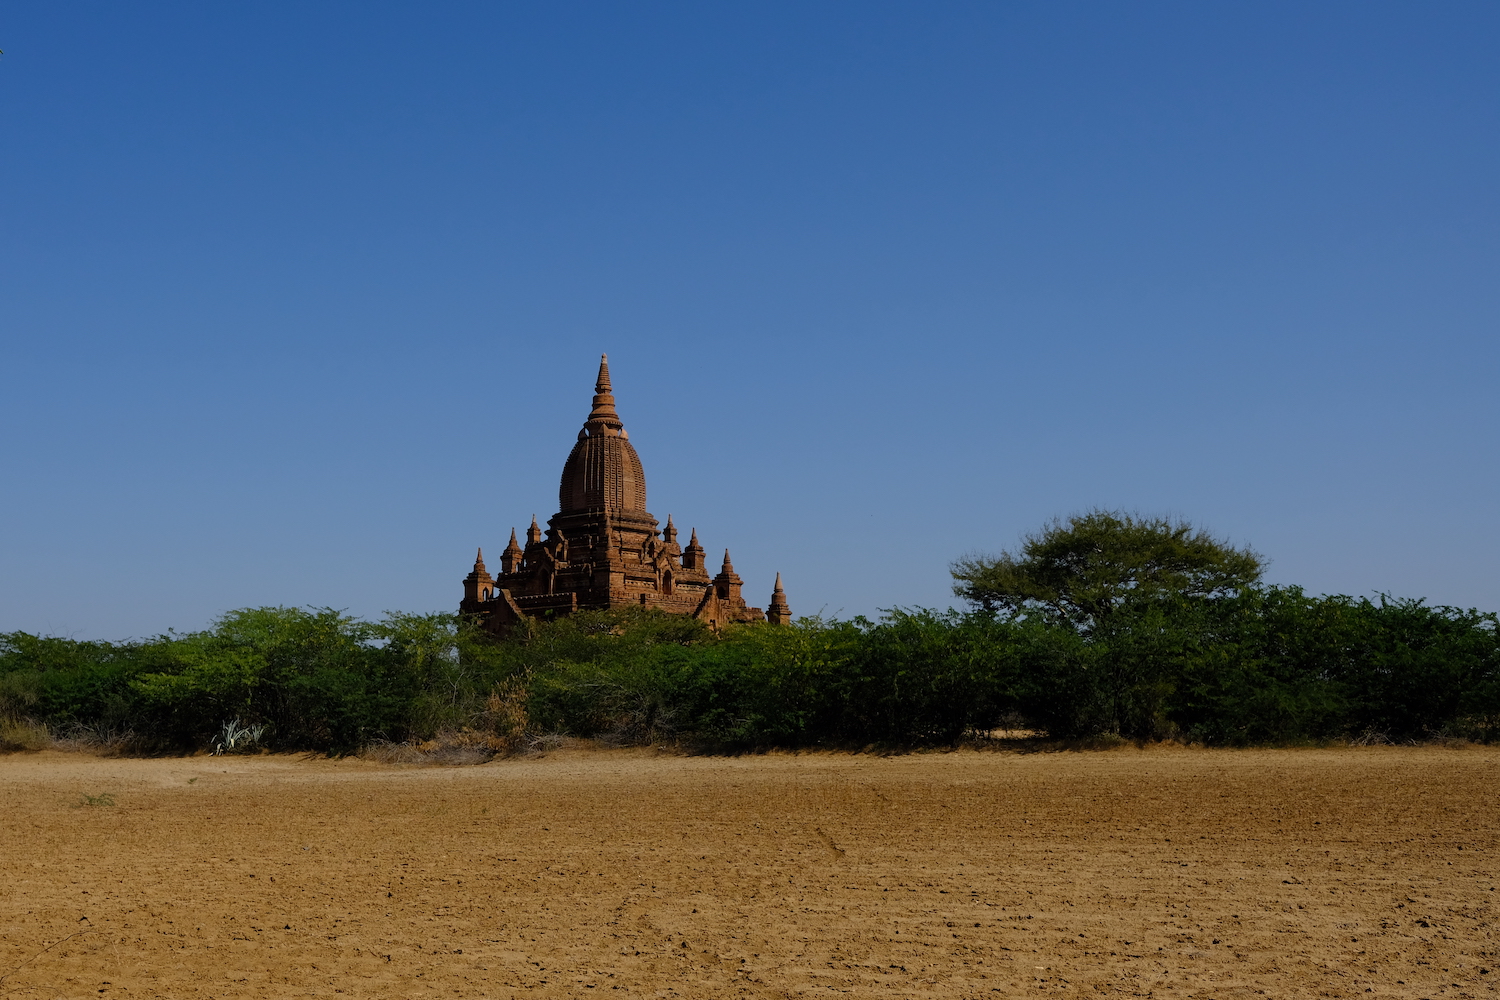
[{"x": 602, "y": 549}]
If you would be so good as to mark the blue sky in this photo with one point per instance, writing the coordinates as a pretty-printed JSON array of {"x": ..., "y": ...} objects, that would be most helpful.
[{"x": 299, "y": 303}]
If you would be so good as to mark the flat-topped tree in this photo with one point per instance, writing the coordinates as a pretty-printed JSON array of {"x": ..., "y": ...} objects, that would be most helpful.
[{"x": 1087, "y": 567}]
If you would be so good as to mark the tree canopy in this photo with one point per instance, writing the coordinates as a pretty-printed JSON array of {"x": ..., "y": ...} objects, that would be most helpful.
[{"x": 1088, "y": 566}]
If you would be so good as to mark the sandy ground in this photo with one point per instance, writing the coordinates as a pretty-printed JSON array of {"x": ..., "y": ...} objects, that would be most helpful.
[{"x": 1160, "y": 872}]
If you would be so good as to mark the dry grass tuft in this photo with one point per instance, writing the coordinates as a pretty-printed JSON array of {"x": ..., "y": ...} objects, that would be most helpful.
[
  {"x": 23, "y": 734},
  {"x": 457, "y": 748},
  {"x": 499, "y": 731},
  {"x": 102, "y": 742}
]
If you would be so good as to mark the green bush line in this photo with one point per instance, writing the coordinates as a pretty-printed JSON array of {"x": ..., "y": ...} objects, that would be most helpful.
[{"x": 1267, "y": 665}]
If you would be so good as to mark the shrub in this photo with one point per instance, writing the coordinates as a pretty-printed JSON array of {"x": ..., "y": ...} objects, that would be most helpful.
[{"x": 1263, "y": 665}]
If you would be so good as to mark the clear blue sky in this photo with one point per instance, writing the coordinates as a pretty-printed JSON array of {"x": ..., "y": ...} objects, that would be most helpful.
[{"x": 300, "y": 302}]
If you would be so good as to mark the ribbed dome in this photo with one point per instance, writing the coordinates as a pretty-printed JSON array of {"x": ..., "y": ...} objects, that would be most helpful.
[{"x": 603, "y": 470}]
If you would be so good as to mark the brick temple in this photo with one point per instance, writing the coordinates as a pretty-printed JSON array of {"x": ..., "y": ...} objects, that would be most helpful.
[{"x": 602, "y": 549}]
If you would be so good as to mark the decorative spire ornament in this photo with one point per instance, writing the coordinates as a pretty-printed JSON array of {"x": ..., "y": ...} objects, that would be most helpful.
[
  {"x": 511, "y": 558},
  {"x": 603, "y": 419},
  {"x": 778, "y": 612}
]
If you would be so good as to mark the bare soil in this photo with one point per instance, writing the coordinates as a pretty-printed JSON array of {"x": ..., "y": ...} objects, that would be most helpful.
[{"x": 1161, "y": 872}]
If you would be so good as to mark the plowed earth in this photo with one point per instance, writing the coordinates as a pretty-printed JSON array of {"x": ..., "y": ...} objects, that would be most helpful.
[{"x": 1161, "y": 872}]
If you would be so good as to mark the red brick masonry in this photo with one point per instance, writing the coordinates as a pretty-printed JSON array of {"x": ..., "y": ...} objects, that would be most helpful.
[{"x": 603, "y": 550}]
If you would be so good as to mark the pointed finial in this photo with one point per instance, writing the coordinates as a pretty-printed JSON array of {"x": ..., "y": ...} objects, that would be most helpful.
[
  {"x": 479, "y": 560},
  {"x": 778, "y": 612},
  {"x": 602, "y": 418},
  {"x": 513, "y": 556},
  {"x": 728, "y": 566},
  {"x": 693, "y": 542}
]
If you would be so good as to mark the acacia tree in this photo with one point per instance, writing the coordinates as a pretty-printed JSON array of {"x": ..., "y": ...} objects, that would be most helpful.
[
  {"x": 1137, "y": 590},
  {"x": 1087, "y": 567}
]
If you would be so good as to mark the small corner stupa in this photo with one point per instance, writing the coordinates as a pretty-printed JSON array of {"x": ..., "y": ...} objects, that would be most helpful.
[{"x": 602, "y": 549}]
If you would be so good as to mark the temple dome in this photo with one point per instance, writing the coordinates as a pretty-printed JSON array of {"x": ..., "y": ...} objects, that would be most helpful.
[{"x": 603, "y": 471}]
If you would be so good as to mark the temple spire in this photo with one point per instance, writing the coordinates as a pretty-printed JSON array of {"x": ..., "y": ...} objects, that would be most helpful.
[
  {"x": 602, "y": 418},
  {"x": 727, "y": 583},
  {"x": 478, "y": 587},
  {"x": 512, "y": 557},
  {"x": 778, "y": 612},
  {"x": 693, "y": 556}
]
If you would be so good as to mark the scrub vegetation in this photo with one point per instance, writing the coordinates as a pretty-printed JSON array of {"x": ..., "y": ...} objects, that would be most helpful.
[{"x": 1106, "y": 625}]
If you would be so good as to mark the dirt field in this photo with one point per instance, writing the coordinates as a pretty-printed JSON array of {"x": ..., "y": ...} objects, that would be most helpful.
[{"x": 1162, "y": 872}]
